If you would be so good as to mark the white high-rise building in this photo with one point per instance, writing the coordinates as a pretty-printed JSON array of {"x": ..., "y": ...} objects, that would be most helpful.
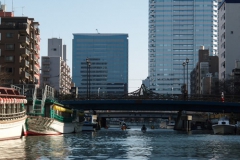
[
  {"x": 228, "y": 38},
  {"x": 177, "y": 28},
  {"x": 55, "y": 71}
]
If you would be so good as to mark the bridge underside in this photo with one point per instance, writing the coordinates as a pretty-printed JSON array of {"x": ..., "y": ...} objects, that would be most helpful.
[{"x": 137, "y": 114}]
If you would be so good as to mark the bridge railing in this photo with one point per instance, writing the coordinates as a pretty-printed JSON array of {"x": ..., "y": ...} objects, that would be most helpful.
[{"x": 210, "y": 98}]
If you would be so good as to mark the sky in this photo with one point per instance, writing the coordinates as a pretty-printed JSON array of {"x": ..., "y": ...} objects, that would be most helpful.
[{"x": 62, "y": 18}]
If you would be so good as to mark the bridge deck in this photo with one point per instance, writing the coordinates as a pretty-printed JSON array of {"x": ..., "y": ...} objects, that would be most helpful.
[{"x": 154, "y": 105}]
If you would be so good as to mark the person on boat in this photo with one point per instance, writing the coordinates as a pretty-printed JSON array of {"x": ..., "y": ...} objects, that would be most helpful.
[
  {"x": 144, "y": 128},
  {"x": 124, "y": 126}
]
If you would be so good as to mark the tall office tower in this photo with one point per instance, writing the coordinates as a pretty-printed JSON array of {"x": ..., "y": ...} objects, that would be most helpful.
[
  {"x": 177, "y": 28},
  {"x": 100, "y": 64},
  {"x": 228, "y": 37},
  {"x": 55, "y": 71},
  {"x": 19, "y": 49}
]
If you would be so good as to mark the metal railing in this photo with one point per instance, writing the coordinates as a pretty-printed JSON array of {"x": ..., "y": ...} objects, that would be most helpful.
[
  {"x": 20, "y": 90},
  {"x": 11, "y": 116},
  {"x": 209, "y": 98}
]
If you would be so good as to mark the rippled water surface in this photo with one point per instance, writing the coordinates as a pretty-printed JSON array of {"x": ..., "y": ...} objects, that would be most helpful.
[{"x": 114, "y": 144}]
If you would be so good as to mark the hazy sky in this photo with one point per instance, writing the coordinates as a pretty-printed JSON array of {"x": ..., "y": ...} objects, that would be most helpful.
[{"x": 62, "y": 18}]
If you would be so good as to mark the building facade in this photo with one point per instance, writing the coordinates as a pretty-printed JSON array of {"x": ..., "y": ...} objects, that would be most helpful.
[
  {"x": 229, "y": 33},
  {"x": 19, "y": 49},
  {"x": 204, "y": 74},
  {"x": 177, "y": 28},
  {"x": 55, "y": 71},
  {"x": 100, "y": 64}
]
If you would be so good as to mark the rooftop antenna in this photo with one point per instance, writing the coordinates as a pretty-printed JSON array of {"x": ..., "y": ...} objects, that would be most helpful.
[
  {"x": 97, "y": 31},
  {"x": 4, "y": 10},
  {"x": 22, "y": 10}
]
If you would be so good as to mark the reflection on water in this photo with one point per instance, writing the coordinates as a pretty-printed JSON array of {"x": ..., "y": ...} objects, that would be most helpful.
[
  {"x": 131, "y": 144},
  {"x": 12, "y": 149}
]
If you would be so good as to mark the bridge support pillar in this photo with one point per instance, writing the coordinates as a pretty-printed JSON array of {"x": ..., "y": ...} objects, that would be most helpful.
[
  {"x": 103, "y": 122},
  {"x": 183, "y": 122},
  {"x": 187, "y": 122}
]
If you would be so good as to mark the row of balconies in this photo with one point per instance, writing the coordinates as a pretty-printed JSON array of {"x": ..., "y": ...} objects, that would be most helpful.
[
  {"x": 65, "y": 68},
  {"x": 26, "y": 52},
  {"x": 24, "y": 40},
  {"x": 65, "y": 80},
  {"x": 31, "y": 58},
  {"x": 29, "y": 68},
  {"x": 25, "y": 75},
  {"x": 37, "y": 31}
]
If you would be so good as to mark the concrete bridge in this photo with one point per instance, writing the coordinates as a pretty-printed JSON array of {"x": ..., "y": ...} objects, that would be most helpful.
[
  {"x": 137, "y": 114},
  {"x": 153, "y": 105}
]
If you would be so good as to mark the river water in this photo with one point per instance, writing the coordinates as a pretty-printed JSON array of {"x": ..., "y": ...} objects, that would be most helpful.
[{"x": 114, "y": 144}]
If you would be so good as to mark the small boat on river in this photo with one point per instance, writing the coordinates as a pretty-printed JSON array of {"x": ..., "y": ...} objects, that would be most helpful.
[
  {"x": 12, "y": 113},
  {"x": 144, "y": 128},
  {"x": 123, "y": 125},
  {"x": 90, "y": 123},
  {"x": 171, "y": 124},
  {"x": 223, "y": 126}
]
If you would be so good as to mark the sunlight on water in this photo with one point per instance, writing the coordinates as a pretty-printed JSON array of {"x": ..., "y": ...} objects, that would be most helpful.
[{"x": 114, "y": 144}]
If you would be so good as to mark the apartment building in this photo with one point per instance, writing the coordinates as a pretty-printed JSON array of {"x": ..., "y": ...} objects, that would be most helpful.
[
  {"x": 19, "y": 49},
  {"x": 55, "y": 72},
  {"x": 204, "y": 74},
  {"x": 229, "y": 33}
]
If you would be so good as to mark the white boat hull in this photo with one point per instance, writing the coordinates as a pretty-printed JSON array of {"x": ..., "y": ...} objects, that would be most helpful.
[
  {"x": 12, "y": 129},
  {"x": 223, "y": 129},
  {"x": 170, "y": 127},
  {"x": 49, "y": 126},
  {"x": 87, "y": 128}
]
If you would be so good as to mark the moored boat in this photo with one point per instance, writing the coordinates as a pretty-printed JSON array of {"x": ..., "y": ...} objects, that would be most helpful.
[
  {"x": 61, "y": 121},
  {"x": 90, "y": 123},
  {"x": 12, "y": 113},
  {"x": 223, "y": 126},
  {"x": 171, "y": 124}
]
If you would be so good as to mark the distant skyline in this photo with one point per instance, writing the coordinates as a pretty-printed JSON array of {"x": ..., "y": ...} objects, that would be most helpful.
[{"x": 60, "y": 19}]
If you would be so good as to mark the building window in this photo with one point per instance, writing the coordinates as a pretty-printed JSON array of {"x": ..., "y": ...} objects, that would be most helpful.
[
  {"x": 9, "y": 70},
  {"x": 9, "y": 46},
  {"x": 9, "y": 35},
  {"x": 9, "y": 59},
  {"x": 8, "y": 81}
]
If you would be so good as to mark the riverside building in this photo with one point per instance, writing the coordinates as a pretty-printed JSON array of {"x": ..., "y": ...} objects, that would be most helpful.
[
  {"x": 55, "y": 71},
  {"x": 19, "y": 49},
  {"x": 100, "y": 64},
  {"x": 177, "y": 28},
  {"x": 228, "y": 38}
]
